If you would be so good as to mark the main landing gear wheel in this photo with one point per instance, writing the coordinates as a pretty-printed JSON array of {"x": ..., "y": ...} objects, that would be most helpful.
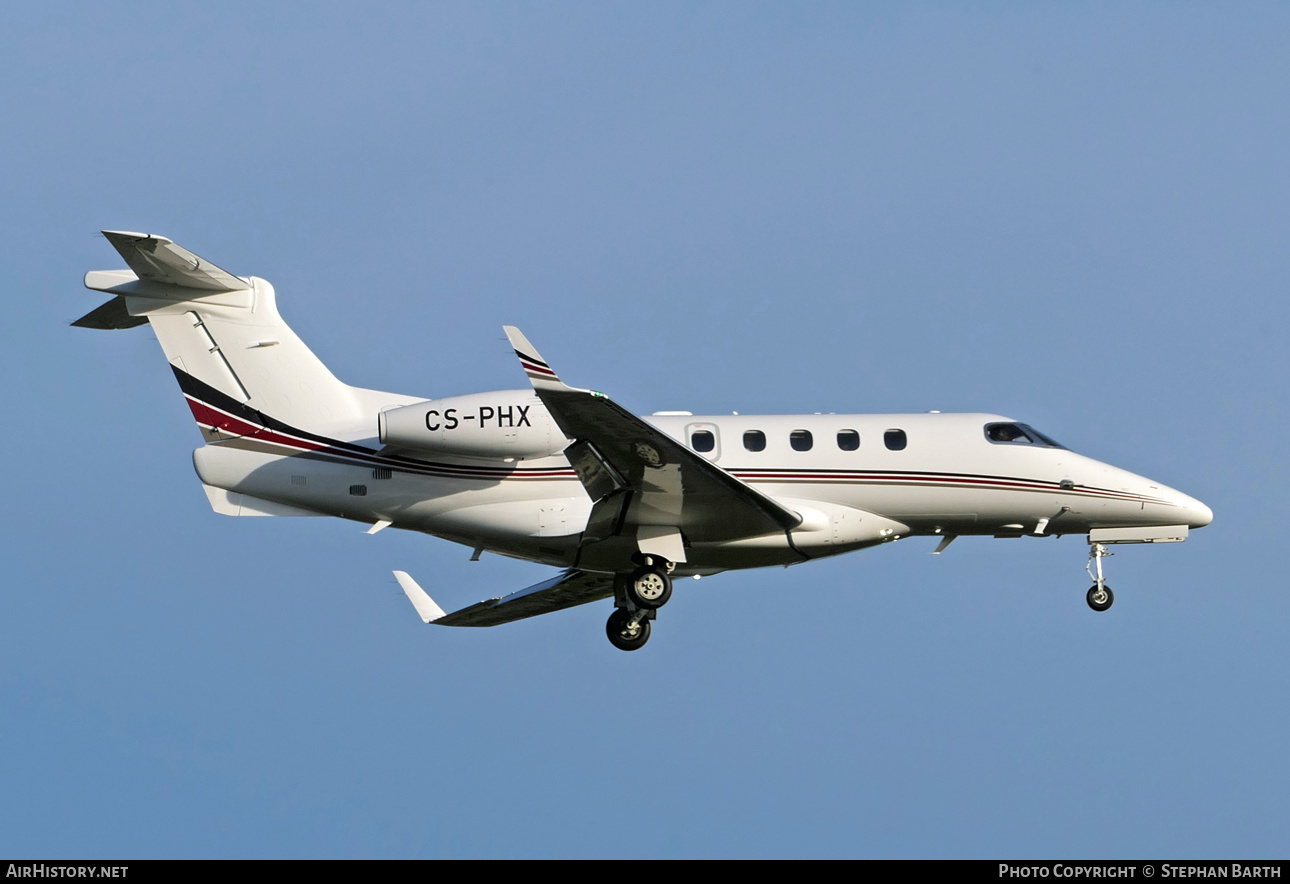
[
  {"x": 648, "y": 588},
  {"x": 627, "y": 631},
  {"x": 1100, "y": 597}
]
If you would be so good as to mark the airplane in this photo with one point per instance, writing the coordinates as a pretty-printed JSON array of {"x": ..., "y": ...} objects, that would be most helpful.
[{"x": 565, "y": 476}]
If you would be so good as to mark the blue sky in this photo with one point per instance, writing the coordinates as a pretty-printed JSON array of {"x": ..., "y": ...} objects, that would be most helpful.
[{"x": 1073, "y": 215}]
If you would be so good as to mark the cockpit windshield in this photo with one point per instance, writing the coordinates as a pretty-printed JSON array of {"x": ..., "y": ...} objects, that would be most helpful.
[{"x": 1018, "y": 434}]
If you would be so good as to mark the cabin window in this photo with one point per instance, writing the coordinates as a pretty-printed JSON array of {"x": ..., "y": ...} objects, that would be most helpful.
[
  {"x": 754, "y": 440},
  {"x": 1018, "y": 434},
  {"x": 848, "y": 440},
  {"x": 703, "y": 440},
  {"x": 895, "y": 440},
  {"x": 382, "y": 473},
  {"x": 358, "y": 490},
  {"x": 801, "y": 440}
]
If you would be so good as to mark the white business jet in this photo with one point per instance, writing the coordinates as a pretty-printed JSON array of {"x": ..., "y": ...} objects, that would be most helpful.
[{"x": 567, "y": 477}]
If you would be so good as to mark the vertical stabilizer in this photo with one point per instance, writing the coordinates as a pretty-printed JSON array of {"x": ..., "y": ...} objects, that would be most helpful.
[{"x": 229, "y": 347}]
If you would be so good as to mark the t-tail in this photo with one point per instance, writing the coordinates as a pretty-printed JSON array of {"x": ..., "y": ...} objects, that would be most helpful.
[
  {"x": 251, "y": 383},
  {"x": 241, "y": 367}
]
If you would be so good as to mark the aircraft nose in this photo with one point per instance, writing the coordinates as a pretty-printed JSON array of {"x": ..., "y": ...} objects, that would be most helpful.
[{"x": 1198, "y": 515}]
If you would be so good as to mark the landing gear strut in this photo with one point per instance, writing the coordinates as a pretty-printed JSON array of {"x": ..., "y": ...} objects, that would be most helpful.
[
  {"x": 637, "y": 598},
  {"x": 1099, "y": 596}
]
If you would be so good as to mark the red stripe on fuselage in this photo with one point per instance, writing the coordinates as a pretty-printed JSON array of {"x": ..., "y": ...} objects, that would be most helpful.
[
  {"x": 807, "y": 476},
  {"x": 214, "y": 418},
  {"x": 209, "y": 416}
]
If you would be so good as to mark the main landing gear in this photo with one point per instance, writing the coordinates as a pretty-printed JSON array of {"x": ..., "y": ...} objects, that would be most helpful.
[
  {"x": 1099, "y": 596},
  {"x": 628, "y": 630},
  {"x": 649, "y": 586},
  {"x": 637, "y": 598}
]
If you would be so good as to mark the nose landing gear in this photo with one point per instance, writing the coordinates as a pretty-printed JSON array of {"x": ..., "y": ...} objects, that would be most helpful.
[{"x": 1099, "y": 596}]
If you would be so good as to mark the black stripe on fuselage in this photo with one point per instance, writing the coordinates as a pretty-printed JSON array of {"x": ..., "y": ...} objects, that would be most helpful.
[
  {"x": 204, "y": 392},
  {"x": 208, "y": 395}
]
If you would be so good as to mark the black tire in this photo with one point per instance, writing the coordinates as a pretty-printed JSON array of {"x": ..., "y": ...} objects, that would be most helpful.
[
  {"x": 648, "y": 588},
  {"x": 616, "y": 629},
  {"x": 1091, "y": 598}
]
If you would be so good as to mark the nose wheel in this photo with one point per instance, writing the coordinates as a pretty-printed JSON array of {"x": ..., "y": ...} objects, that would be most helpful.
[{"x": 1099, "y": 595}]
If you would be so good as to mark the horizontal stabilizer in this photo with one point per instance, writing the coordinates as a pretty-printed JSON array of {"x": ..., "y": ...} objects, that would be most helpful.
[
  {"x": 158, "y": 260},
  {"x": 110, "y": 315}
]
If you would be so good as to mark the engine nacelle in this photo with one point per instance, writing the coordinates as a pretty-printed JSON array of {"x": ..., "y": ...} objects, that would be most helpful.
[{"x": 505, "y": 424}]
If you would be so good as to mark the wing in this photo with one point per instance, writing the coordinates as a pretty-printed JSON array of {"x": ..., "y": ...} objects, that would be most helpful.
[
  {"x": 567, "y": 590},
  {"x": 643, "y": 481}
]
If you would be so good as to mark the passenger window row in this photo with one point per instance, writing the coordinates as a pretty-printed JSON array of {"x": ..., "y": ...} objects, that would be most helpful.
[{"x": 800, "y": 440}]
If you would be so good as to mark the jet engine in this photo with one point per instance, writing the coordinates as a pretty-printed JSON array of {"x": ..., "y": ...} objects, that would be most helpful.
[{"x": 505, "y": 424}]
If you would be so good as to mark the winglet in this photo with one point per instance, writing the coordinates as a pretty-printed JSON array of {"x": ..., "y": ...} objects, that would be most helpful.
[
  {"x": 429, "y": 611},
  {"x": 538, "y": 371}
]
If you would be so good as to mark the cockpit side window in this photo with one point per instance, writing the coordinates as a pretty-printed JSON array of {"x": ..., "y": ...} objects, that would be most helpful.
[
  {"x": 1007, "y": 433},
  {"x": 1018, "y": 434},
  {"x": 1046, "y": 440}
]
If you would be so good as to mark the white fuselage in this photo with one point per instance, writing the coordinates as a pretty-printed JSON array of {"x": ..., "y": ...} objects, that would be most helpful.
[
  {"x": 948, "y": 479},
  {"x": 566, "y": 476}
]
